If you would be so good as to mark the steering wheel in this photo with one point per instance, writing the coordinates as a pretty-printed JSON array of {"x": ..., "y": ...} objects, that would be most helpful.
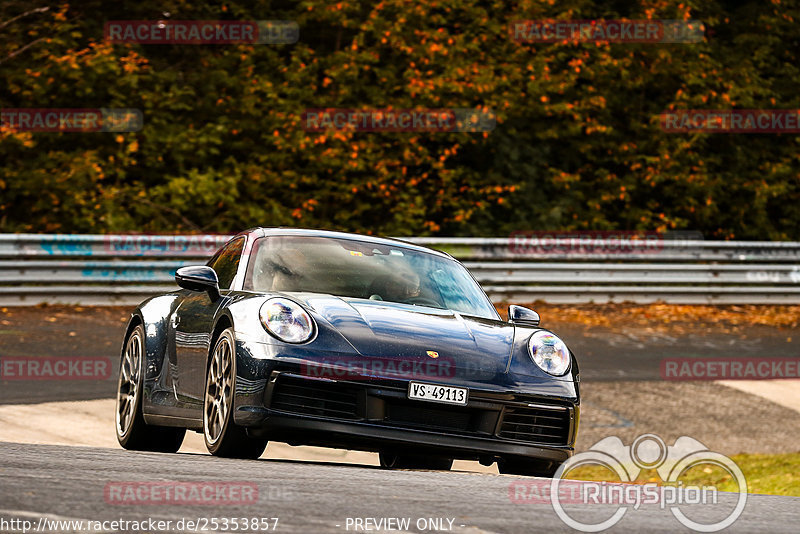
[{"x": 422, "y": 301}]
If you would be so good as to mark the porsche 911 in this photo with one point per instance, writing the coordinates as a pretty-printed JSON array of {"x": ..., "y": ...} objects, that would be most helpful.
[{"x": 322, "y": 338}]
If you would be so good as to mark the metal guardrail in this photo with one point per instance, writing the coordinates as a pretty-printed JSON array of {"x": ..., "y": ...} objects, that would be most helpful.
[{"x": 125, "y": 269}]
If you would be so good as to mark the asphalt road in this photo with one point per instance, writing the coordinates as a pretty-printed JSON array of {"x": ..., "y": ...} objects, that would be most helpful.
[{"x": 62, "y": 483}]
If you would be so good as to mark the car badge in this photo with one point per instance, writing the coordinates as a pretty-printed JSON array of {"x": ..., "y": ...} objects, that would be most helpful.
[{"x": 433, "y": 354}]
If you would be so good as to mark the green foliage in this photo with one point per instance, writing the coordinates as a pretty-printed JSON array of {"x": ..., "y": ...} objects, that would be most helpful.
[
  {"x": 766, "y": 474},
  {"x": 577, "y": 144}
]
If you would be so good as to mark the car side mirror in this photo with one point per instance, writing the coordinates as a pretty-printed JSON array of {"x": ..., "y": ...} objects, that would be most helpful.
[
  {"x": 198, "y": 278},
  {"x": 522, "y": 316}
]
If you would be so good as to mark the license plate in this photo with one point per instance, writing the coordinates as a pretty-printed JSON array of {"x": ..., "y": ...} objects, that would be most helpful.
[{"x": 436, "y": 393}]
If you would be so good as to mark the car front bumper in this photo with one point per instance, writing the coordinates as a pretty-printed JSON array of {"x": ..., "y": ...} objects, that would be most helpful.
[{"x": 377, "y": 416}]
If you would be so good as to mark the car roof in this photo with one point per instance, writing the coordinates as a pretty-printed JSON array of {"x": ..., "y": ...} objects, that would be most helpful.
[{"x": 310, "y": 232}]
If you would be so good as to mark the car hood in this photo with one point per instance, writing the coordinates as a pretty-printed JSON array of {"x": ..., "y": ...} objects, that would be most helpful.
[{"x": 390, "y": 330}]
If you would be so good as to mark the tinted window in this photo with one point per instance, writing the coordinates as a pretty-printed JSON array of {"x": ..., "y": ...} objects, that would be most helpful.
[
  {"x": 226, "y": 262},
  {"x": 360, "y": 269}
]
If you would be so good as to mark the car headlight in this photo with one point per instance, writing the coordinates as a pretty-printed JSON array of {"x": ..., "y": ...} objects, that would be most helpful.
[
  {"x": 286, "y": 320},
  {"x": 549, "y": 353}
]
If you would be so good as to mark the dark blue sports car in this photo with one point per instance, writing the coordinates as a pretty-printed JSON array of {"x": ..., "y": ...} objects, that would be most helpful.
[{"x": 322, "y": 338}]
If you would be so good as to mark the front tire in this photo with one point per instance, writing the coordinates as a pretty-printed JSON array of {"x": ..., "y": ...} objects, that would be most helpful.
[
  {"x": 222, "y": 436},
  {"x": 415, "y": 461},
  {"x": 132, "y": 432}
]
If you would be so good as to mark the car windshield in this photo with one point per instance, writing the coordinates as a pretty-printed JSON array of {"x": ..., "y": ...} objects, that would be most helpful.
[{"x": 360, "y": 269}]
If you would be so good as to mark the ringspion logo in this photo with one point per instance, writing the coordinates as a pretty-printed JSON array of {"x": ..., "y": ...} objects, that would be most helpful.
[{"x": 647, "y": 452}]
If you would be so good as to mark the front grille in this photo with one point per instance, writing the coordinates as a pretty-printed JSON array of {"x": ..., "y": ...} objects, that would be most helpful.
[
  {"x": 314, "y": 397},
  {"x": 543, "y": 425},
  {"x": 419, "y": 415},
  {"x": 538, "y": 425}
]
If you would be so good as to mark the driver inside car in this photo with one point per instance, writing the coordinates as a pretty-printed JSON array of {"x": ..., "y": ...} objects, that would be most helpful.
[
  {"x": 287, "y": 269},
  {"x": 399, "y": 287}
]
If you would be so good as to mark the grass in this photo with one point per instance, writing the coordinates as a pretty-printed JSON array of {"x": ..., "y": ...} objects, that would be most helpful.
[{"x": 769, "y": 474}]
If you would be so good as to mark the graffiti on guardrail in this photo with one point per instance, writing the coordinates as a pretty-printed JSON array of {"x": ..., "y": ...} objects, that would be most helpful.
[
  {"x": 128, "y": 268},
  {"x": 124, "y": 245},
  {"x": 773, "y": 276},
  {"x": 134, "y": 275},
  {"x": 65, "y": 245}
]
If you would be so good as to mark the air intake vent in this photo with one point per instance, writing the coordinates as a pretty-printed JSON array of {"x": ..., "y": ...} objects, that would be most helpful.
[
  {"x": 315, "y": 397},
  {"x": 419, "y": 415},
  {"x": 548, "y": 426}
]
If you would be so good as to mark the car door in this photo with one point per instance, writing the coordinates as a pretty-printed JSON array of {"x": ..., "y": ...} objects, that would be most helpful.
[{"x": 194, "y": 321}]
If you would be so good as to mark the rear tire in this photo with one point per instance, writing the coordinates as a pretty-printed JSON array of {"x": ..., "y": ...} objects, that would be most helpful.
[
  {"x": 132, "y": 432},
  {"x": 415, "y": 461},
  {"x": 222, "y": 436},
  {"x": 527, "y": 467}
]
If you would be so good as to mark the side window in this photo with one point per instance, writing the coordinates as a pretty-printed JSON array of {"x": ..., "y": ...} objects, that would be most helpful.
[{"x": 226, "y": 262}]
